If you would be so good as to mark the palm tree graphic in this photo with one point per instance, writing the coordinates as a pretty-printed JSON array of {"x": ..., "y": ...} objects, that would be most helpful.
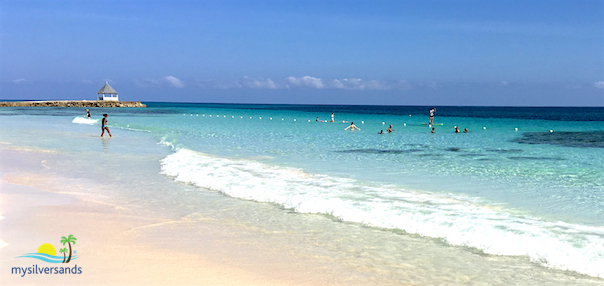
[
  {"x": 63, "y": 250},
  {"x": 68, "y": 240}
]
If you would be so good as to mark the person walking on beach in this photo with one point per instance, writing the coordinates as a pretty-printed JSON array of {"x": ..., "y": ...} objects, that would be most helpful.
[
  {"x": 88, "y": 113},
  {"x": 352, "y": 127},
  {"x": 390, "y": 129},
  {"x": 104, "y": 126},
  {"x": 432, "y": 110},
  {"x": 332, "y": 117}
]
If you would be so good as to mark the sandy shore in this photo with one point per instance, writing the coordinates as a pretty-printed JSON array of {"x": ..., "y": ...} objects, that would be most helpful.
[
  {"x": 119, "y": 246},
  {"x": 107, "y": 245}
]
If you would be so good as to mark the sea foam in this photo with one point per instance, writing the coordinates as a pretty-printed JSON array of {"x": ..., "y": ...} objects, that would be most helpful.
[
  {"x": 458, "y": 220},
  {"x": 82, "y": 120}
]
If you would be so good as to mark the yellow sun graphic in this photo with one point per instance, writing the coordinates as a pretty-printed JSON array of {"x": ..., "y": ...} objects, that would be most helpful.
[{"x": 47, "y": 248}]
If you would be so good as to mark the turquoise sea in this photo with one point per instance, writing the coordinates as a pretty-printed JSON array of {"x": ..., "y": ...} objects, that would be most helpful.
[{"x": 522, "y": 190}]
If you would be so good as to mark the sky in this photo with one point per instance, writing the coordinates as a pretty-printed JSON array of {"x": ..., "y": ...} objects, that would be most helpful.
[{"x": 401, "y": 52}]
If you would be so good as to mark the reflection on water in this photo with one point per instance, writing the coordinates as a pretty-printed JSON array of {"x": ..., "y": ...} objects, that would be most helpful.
[{"x": 105, "y": 143}]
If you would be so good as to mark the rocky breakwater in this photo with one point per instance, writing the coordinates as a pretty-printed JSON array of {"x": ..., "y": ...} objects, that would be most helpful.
[{"x": 72, "y": 103}]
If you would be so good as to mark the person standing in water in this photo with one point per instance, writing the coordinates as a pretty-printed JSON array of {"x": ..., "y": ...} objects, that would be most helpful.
[
  {"x": 352, "y": 127},
  {"x": 104, "y": 126},
  {"x": 332, "y": 117},
  {"x": 390, "y": 129},
  {"x": 432, "y": 110},
  {"x": 88, "y": 113}
]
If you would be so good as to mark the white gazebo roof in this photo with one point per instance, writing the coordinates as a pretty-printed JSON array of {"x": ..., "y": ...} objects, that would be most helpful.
[{"x": 107, "y": 89}]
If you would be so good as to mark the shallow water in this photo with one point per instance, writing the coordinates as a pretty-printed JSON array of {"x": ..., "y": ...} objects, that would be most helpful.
[{"x": 515, "y": 198}]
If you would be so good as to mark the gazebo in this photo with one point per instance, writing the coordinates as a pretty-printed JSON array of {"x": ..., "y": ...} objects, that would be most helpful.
[{"x": 107, "y": 93}]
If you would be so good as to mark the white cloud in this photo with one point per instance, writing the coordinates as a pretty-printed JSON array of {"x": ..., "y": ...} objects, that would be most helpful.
[
  {"x": 305, "y": 81},
  {"x": 346, "y": 83},
  {"x": 245, "y": 82},
  {"x": 256, "y": 83},
  {"x": 18, "y": 81},
  {"x": 357, "y": 83},
  {"x": 174, "y": 81},
  {"x": 338, "y": 84},
  {"x": 352, "y": 83},
  {"x": 402, "y": 84},
  {"x": 599, "y": 84}
]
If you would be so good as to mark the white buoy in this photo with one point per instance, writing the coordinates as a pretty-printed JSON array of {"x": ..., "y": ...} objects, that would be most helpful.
[
  {"x": 409, "y": 114},
  {"x": 196, "y": 114},
  {"x": 484, "y": 128},
  {"x": 294, "y": 119},
  {"x": 282, "y": 119},
  {"x": 383, "y": 123},
  {"x": 250, "y": 117},
  {"x": 241, "y": 116},
  {"x": 404, "y": 124},
  {"x": 232, "y": 116},
  {"x": 210, "y": 115},
  {"x": 260, "y": 117},
  {"x": 516, "y": 128},
  {"x": 551, "y": 131},
  {"x": 271, "y": 118},
  {"x": 203, "y": 115},
  {"x": 362, "y": 122},
  {"x": 308, "y": 120},
  {"x": 184, "y": 114}
]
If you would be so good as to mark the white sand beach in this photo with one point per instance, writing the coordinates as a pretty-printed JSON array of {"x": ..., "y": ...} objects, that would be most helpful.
[{"x": 121, "y": 246}]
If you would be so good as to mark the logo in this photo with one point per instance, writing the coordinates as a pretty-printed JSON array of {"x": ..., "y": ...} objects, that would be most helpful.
[{"x": 48, "y": 253}]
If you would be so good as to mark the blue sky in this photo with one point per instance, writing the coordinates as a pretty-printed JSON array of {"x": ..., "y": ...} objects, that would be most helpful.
[{"x": 519, "y": 53}]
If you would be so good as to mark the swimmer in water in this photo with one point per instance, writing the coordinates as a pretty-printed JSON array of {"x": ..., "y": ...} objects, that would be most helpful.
[
  {"x": 456, "y": 129},
  {"x": 390, "y": 129},
  {"x": 381, "y": 132},
  {"x": 88, "y": 113},
  {"x": 352, "y": 127},
  {"x": 465, "y": 130}
]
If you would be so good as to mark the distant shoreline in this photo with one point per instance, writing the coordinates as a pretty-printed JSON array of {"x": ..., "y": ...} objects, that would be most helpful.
[{"x": 72, "y": 103}]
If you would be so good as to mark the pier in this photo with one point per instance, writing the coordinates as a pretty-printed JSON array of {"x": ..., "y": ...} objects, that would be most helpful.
[{"x": 72, "y": 103}]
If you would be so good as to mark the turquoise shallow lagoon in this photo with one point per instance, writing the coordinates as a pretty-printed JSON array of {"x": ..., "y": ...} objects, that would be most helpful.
[{"x": 522, "y": 189}]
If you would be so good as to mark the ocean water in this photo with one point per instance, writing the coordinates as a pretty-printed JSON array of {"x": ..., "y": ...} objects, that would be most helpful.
[{"x": 523, "y": 189}]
